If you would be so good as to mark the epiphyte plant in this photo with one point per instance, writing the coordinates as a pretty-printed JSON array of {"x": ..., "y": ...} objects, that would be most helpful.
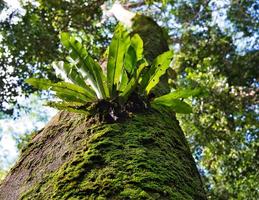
[{"x": 124, "y": 86}]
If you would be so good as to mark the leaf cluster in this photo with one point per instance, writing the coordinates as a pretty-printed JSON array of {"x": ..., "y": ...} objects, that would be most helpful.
[{"x": 124, "y": 85}]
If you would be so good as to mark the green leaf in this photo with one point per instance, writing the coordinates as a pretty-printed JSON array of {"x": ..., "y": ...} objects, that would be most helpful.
[
  {"x": 175, "y": 105},
  {"x": 42, "y": 84},
  {"x": 134, "y": 54},
  {"x": 63, "y": 90},
  {"x": 86, "y": 65},
  {"x": 117, "y": 49},
  {"x": 133, "y": 81},
  {"x": 158, "y": 68},
  {"x": 71, "y": 106},
  {"x": 179, "y": 93},
  {"x": 172, "y": 101},
  {"x": 70, "y": 88},
  {"x": 130, "y": 60},
  {"x": 64, "y": 38},
  {"x": 99, "y": 77},
  {"x": 137, "y": 44},
  {"x": 74, "y": 76},
  {"x": 70, "y": 96},
  {"x": 124, "y": 81}
]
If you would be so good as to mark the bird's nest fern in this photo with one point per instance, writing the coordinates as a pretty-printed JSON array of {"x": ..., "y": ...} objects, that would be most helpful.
[{"x": 123, "y": 88}]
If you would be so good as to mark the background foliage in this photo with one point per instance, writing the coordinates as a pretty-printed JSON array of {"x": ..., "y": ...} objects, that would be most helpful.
[{"x": 216, "y": 45}]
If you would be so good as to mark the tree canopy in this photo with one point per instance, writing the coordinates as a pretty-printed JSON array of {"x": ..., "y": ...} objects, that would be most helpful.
[{"x": 216, "y": 49}]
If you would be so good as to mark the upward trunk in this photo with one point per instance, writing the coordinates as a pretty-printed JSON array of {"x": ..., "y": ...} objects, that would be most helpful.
[
  {"x": 73, "y": 157},
  {"x": 144, "y": 157}
]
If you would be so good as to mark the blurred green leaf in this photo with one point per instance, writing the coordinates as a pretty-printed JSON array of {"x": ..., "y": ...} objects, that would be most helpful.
[
  {"x": 158, "y": 68},
  {"x": 117, "y": 50},
  {"x": 174, "y": 105}
]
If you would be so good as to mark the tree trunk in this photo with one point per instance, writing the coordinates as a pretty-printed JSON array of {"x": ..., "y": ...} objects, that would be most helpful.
[{"x": 75, "y": 157}]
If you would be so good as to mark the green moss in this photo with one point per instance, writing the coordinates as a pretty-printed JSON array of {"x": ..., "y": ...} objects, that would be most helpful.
[{"x": 145, "y": 157}]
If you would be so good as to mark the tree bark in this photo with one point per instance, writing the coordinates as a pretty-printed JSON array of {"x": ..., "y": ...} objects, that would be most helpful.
[{"x": 74, "y": 157}]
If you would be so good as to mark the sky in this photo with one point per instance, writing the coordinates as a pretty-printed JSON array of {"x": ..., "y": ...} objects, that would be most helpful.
[
  {"x": 13, "y": 5},
  {"x": 11, "y": 129}
]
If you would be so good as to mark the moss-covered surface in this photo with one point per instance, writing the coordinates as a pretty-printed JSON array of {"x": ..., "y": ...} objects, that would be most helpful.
[{"x": 145, "y": 157}]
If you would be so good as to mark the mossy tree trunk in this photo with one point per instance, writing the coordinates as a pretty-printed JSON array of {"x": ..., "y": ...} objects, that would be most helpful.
[
  {"x": 144, "y": 157},
  {"x": 74, "y": 157}
]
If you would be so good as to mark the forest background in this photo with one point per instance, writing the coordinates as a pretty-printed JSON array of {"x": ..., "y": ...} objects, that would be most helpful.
[{"x": 216, "y": 48}]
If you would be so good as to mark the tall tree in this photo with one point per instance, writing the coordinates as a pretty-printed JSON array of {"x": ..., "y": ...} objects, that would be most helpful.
[
  {"x": 140, "y": 156},
  {"x": 217, "y": 49}
]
